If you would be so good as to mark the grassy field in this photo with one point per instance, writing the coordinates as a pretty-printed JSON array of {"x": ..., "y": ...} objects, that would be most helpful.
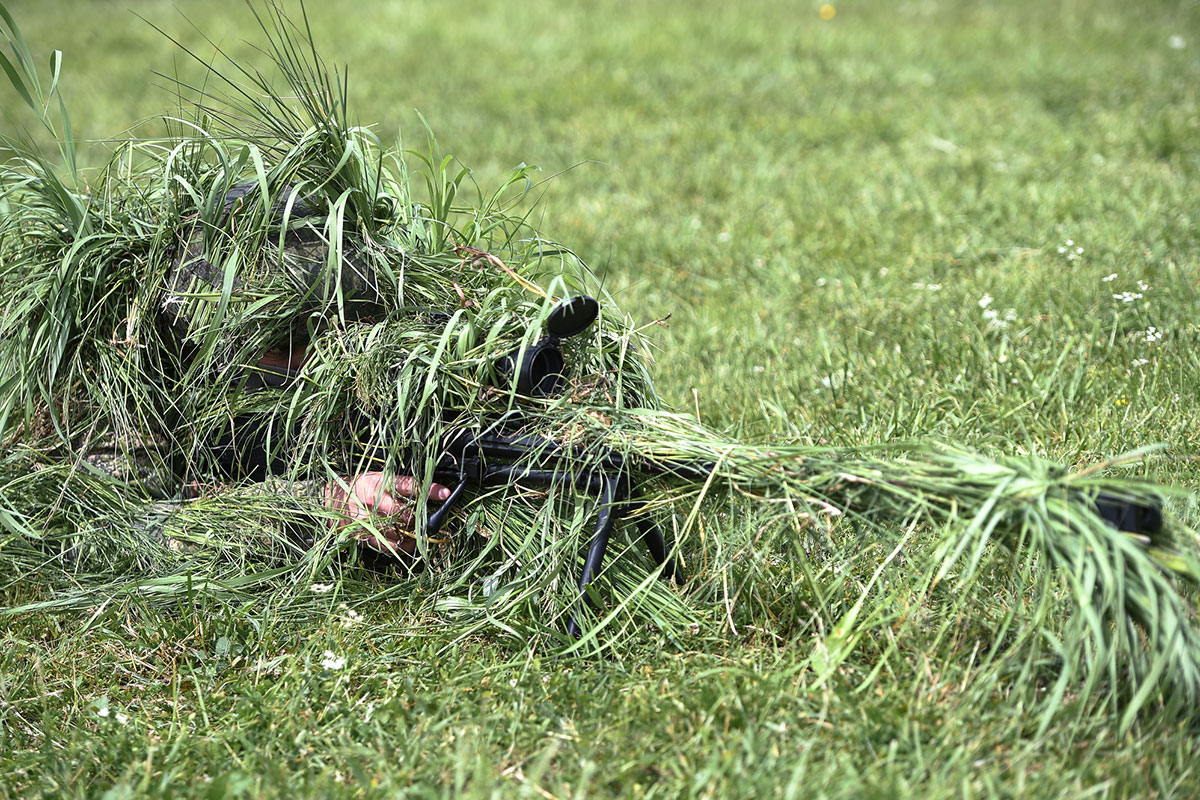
[{"x": 968, "y": 221}]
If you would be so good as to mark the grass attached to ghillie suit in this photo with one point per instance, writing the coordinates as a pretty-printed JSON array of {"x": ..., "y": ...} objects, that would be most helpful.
[{"x": 136, "y": 307}]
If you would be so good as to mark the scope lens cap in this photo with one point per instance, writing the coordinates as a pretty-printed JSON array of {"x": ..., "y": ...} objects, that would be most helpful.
[{"x": 572, "y": 316}]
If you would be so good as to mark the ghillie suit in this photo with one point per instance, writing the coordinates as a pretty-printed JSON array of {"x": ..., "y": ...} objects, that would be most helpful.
[{"x": 136, "y": 311}]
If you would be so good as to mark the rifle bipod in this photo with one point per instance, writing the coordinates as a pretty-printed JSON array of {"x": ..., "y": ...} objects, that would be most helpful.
[{"x": 611, "y": 509}]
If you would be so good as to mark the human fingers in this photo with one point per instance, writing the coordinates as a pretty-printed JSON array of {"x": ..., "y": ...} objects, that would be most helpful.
[
  {"x": 394, "y": 537},
  {"x": 407, "y": 486},
  {"x": 384, "y": 503}
]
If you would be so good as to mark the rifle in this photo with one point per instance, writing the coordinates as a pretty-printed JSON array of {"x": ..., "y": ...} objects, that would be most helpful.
[{"x": 500, "y": 454}]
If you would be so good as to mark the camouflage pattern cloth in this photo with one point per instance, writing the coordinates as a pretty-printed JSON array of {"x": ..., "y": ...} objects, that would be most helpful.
[
  {"x": 301, "y": 270},
  {"x": 137, "y": 466}
]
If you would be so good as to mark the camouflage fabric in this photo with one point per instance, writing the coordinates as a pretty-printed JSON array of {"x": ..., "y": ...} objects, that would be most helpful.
[
  {"x": 301, "y": 270},
  {"x": 136, "y": 465}
]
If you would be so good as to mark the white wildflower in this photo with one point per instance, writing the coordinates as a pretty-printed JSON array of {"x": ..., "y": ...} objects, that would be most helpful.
[
  {"x": 102, "y": 711},
  {"x": 1152, "y": 334},
  {"x": 996, "y": 321},
  {"x": 1109, "y": 278},
  {"x": 1140, "y": 362},
  {"x": 321, "y": 588},
  {"x": 1070, "y": 250},
  {"x": 1176, "y": 42},
  {"x": 934, "y": 287},
  {"x": 883, "y": 271},
  {"x": 821, "y": 282},
  {"x": 350, "y": 617},
  {"x": 121, "y": 718},
  {"x": 723, "y": 236},
  {"x": 985, "y": 301},
  {"x": 1128, "y": 297},
  {"x": 332, "y": 661},
  {"x": 1143, "y": 286}
]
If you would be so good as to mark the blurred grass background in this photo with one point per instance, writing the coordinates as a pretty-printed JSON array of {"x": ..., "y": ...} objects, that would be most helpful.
[{"x": 898, "y": 222}]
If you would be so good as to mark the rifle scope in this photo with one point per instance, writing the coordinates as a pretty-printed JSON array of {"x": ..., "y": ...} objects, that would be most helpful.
[{"x": 538, "y": 372}]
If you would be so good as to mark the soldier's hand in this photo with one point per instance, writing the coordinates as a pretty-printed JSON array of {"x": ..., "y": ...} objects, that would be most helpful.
[{"x": 387, "y": 503}]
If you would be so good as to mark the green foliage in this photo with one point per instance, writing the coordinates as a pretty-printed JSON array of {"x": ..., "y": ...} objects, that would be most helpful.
[{"x": 968, "y": 626}]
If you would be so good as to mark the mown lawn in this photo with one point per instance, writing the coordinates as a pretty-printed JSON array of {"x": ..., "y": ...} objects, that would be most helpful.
[{"x": 962, "y": 220}]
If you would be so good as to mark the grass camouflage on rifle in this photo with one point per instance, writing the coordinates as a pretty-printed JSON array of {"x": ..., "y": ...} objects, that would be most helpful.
[{"x": 890, "y": 535}]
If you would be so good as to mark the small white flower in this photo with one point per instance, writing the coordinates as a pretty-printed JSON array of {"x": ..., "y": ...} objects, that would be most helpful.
[
  {"x": 350, "y": 618},
  {"x": 321, "y": 588},
  {"x": 883, "y": 271},
  {"x": 996, "y": 322},
  {"x": 759, "y": 368},
  {"x": 985, "y": 301},
  {"x": 1128, "y": 297},
  {"x": 934, "y": 287},
  {"x": 1152, "y": 334},
  {"x": 1139, "y": 362},
  {"x": 1176, "y": 42},
  {"x": 121, "y": 718},
  {"x": 1109, "y": 278},
  {"x": 723, "y": 236},
  {"x": 1069, "y": 249},
  {"x": 1143, "y": 286},
  {"x": 102, "y": 711},
  {"x": 821, "y": 282},
  {"x": 332, "y": 661}
]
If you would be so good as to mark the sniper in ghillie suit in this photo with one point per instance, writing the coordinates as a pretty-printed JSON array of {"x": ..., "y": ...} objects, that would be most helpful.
[{"x": 259, "y": 351}]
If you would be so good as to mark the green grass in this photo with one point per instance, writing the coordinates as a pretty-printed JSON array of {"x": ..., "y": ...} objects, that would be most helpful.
[{"x": 789, "y": 191}]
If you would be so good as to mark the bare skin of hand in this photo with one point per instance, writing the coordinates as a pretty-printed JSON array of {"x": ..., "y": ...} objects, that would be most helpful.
[{"x": 373, "y": 495}]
